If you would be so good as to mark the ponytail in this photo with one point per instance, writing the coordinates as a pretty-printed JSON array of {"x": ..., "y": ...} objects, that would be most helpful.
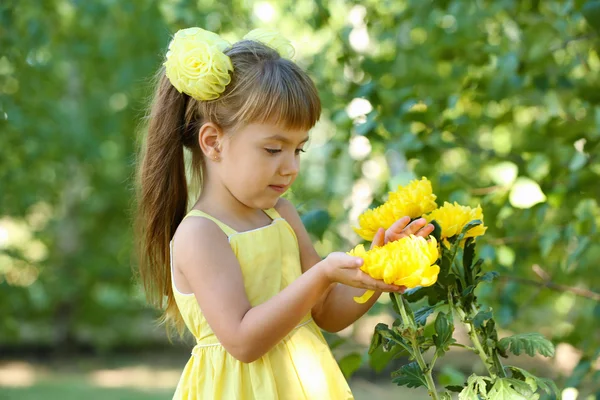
[{"x": 162, "y": 193}]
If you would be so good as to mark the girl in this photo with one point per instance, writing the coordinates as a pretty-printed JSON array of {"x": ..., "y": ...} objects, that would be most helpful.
[{"x": 239, "y": 268}]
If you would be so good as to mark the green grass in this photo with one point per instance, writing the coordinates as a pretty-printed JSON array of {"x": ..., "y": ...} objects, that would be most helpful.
[
  {"x": 73, "y": 390},
  {"x": 64, "y": 390}
]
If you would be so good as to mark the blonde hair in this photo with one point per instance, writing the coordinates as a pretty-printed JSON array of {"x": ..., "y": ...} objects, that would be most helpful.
[{"x": 264, "y": 87}]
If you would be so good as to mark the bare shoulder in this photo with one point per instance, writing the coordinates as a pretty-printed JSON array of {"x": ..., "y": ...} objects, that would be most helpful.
[
  {"x": 286, "y": 209},
  {"x": 196, "y": 236}
]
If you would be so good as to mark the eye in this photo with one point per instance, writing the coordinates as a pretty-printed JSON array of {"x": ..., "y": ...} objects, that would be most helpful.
[
  {"x": 272, "y": 151},
  {"x": 298, "y": 151}
]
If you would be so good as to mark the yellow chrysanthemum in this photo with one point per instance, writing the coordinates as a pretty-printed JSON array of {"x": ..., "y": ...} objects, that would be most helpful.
[
  {"x": 196, "y": 65},
  {"x": 414, "y": 200},
  {"x": 453, "y": 217},
  {"x": 274, "y": 40},
  {"x": 405, "y": 262}
]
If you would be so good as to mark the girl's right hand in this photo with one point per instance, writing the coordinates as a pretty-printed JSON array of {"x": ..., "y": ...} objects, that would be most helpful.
[{"x": 343, "y": 268}]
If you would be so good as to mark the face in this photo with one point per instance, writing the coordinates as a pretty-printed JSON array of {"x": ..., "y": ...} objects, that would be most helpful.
[{"x": 260, "y": 162}]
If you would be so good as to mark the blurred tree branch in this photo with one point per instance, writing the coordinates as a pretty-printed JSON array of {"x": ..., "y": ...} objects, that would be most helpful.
[{"x": 555, "y": 286}]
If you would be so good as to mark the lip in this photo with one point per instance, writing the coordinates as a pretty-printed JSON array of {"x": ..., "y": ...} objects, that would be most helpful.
[{"x": 279, "y": 188}]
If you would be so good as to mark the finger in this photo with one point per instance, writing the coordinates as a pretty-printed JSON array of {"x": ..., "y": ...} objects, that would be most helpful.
[
  {"x": 375, "y": 284},
  {"x": 343, "y": 260},
  {"x": 415, "y": 226},
  {"x": 426, "y": 231},
  {"x": 411, "y": 229},
  {"x": 393, "y": 231},
  {"x": 378, "y": 240}
]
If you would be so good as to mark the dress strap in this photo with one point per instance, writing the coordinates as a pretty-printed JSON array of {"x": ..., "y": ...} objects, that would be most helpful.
[
  {"x": 272, "y": 213},
  {"x": 224, "y": 227}
]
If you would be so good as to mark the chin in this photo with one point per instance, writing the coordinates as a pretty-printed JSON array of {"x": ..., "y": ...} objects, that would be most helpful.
[
  {"x": 263, "y": 203},
  {"x": 268, "y": 203}
]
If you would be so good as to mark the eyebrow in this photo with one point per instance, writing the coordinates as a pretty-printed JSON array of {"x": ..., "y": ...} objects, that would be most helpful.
[{"x": 284, "y": 139}]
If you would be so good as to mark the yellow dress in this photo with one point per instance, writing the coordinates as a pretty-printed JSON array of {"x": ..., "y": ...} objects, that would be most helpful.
[{"x": 301, "y": 366}]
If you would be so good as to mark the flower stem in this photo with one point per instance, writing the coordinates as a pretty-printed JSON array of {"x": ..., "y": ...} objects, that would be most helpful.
[
  {"x": 473, "y": 349},
  {"x": 485, "y": 358},
  {"x": 495, "y": 359},
  {"x": 408, "y": 321},
  {"x": 425, "y": 369}
]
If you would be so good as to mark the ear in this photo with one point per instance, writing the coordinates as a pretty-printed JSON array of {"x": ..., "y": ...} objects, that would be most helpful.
[{"x": 210, "y": 138}]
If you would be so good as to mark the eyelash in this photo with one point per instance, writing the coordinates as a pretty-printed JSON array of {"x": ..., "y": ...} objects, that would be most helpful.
[{"x": 275, "y": 151}]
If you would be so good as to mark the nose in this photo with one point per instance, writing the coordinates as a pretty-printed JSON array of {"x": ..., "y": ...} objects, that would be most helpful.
[{"x": 290, "y": 165}]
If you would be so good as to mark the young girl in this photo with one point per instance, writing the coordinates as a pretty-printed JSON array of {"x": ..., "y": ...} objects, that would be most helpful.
[{"x": 239, "y": 268}]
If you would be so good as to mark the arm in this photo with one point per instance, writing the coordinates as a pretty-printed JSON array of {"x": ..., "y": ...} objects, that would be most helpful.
[
  {"x": 336, "y": 309},
  {"x": 214, "y": 275}
]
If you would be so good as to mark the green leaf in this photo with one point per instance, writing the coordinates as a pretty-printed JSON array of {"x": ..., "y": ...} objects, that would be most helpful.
[
  {"x": 422, "y": 313},
  {"x": 455, "y": 388},
  {"x": 591, "y": 12},
  {"x": 409, "y": 375},
  {"x": 481, "y": 317},
  {"x": 425, "y": 343},
  {"x": 468, "y": 227},
  {"x": 394, "y": 297},
  {"x": 534, "y": 382},
  {"x": 529, "y": 343},
  {"x": 350, "y": 364},
  {"x": 390, "y": 335},
  {"x": 434, "y": 293},
  {"x": 443, "y": 339},
  {"x": 476, "y": 268},
  {"x": 414, "y": 295},
  {"x": 511, "y": 389},
  {"x": 490, "y": 330},
  {"x": 468, "y": 255},
  {"x": 379, "y": 358},
  {"x": 446, "y": 396},
  {"x": 476, "y": 388},
  {"x": 446, "y": 277},
  {"x": 437, "y": 231},
  {"x": 468, "y": 290},
  {"x": 376, "y": 341},
  {"x": 488, "y": 276},
  {"x": 409, "y": 311},
  {"x": 316, "y": 222},
  {"x": 451, "y": 376}
]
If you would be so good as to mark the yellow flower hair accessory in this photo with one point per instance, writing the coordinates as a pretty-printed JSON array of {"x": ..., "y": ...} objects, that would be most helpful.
[
  {"x": 274, "y": 40},
  {"x": 404, "y": 262},
  {"x": 414, "y": 200},
  {"x": 196, "y": 65},
  {"x": 452, "y": 218}
]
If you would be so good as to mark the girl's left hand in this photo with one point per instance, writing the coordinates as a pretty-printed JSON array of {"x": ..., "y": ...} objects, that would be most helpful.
[{"x": 402, "y": 228}]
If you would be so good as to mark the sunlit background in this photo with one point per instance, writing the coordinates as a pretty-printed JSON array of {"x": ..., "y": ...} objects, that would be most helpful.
[{"x": 496, "y": 102}]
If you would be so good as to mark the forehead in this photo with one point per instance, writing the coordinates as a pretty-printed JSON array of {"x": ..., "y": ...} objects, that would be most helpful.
[{"x": 272, "y": 132}]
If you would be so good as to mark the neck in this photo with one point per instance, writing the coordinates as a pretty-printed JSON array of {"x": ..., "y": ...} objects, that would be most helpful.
[{"x": 218, "y": 201}]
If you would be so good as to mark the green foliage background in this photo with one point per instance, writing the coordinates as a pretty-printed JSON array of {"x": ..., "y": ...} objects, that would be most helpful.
[{"x": 496, "y": 102}]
